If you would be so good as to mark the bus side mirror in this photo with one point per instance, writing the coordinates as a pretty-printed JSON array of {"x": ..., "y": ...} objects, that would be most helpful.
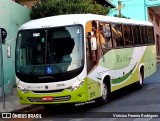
[{"x": 93, "y": 43}]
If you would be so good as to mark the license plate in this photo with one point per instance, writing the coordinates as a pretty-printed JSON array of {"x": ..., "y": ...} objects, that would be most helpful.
[{"x": 47, "y": 98}]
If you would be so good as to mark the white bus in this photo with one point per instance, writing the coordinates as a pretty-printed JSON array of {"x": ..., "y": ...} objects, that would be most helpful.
[{"x": 81, "y": 57}]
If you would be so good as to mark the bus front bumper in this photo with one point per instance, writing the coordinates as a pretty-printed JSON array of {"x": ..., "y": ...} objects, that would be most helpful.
[{"x": 66, "y": 96}]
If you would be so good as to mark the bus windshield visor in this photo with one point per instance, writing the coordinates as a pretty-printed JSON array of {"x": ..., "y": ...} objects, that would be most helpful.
[{"x": 49, "y": 51}]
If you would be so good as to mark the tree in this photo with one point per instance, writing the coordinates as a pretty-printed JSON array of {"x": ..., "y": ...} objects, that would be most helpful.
[{"x": 59, "y": 7}]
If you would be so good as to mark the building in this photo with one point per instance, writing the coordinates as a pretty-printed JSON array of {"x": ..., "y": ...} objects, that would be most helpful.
[
  {"x": 12, "y": 17},
  {"x": 154, "y": 17},
  {"x": 145, "y": 10},
  {"x": 26, "y": 3}
]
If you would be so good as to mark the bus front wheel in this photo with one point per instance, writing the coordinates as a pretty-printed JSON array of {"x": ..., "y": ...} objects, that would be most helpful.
[{"x": 105, "y": 94}]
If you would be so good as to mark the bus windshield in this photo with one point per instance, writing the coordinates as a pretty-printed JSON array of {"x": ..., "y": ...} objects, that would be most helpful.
[{"x": 49, "y": 51}]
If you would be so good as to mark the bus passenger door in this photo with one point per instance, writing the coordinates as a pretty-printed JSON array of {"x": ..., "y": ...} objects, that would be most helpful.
[
  {"x": 90, "y": 56},
  {"x": 91, "y": 52}
]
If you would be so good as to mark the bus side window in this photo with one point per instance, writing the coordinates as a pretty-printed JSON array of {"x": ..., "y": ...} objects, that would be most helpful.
[
  {"x": 136, "y": 35},
  {"x": 117, "y": 35},
  {"x": 105, "y": 35},
  {"x": 150, "y": 34},
  {"x": 91, "y": 32},
  {"x": 143, "y": 34},
  {"x": 127, "y": 35}
]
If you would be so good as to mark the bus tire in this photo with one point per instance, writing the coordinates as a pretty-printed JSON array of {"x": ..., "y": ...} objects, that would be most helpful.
[
  {"x": 141, "y": 78},
  {"x": 105, "y": 94}
]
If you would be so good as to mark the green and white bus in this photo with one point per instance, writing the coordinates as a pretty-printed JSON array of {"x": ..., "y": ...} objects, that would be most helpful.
[{"x": 81, "y": 57}]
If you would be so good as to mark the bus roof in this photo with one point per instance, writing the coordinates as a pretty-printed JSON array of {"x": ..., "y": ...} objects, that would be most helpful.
[{"x": 71, "y": 19}]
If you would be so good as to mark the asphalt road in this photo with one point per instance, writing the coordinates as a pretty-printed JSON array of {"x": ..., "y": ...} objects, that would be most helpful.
[{"x": 129, "y": 103}]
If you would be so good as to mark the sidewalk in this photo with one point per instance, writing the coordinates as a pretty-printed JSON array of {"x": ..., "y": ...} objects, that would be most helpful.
[{"x": 12, "y": 102}]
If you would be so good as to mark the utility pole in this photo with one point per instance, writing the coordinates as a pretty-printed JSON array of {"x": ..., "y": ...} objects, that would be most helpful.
[{"x": 119, "y": 8}]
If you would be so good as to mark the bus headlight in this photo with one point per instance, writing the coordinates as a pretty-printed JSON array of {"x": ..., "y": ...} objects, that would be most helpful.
[
  {"x": 22, "y": 89},
  {"x": 76, "y": 86}
]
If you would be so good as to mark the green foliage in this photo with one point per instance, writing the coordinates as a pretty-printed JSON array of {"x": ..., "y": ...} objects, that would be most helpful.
[{"x": 60, "y": 7}]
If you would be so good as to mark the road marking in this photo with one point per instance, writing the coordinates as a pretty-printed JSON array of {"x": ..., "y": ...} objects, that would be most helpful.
[
  {"x": 142, "y": 119},
  {"x": 149, "y": 88}
]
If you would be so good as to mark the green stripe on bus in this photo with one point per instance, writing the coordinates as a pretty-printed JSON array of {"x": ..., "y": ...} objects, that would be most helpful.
[{"x": 123, "y": 78}]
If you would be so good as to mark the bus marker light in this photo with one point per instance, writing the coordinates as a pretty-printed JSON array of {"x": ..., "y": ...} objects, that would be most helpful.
[{"x": 80, "y": 95}]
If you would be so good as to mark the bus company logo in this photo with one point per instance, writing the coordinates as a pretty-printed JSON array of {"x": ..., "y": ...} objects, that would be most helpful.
[
  {"x": 45, "y": 77},
  {"x": 35, "y": 87},
  {"x": 46, "y": 87}
]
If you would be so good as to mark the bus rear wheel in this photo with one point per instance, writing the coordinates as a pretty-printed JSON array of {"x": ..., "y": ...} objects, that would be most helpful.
[{"x": 141, "y": 79}]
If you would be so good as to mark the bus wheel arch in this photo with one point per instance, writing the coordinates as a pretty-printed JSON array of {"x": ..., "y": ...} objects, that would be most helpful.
[{"x": 106, "y": 90}]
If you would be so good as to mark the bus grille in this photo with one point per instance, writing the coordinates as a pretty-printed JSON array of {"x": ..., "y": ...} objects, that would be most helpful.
[
  {"x": 56, "y": 99},
  {"x": 49, "y": 91}
]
